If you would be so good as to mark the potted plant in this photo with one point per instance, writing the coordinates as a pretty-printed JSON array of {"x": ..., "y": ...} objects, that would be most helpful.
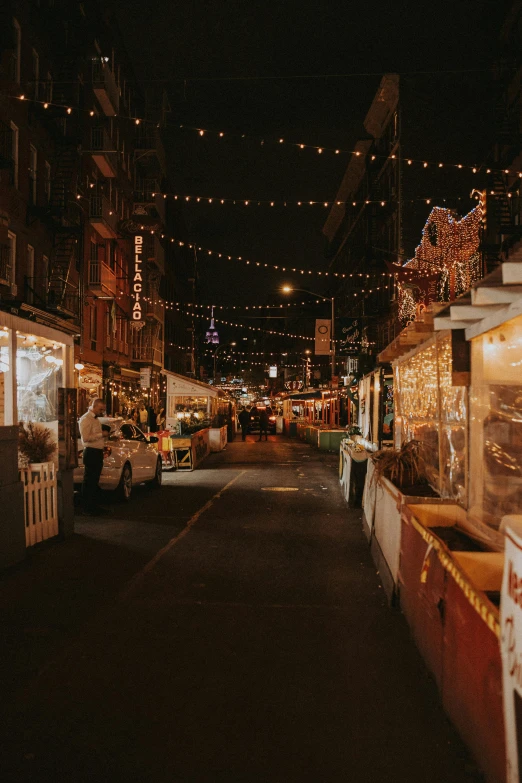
[
  {"x": 404, "y": 467},
  {"x": 36, "y": 444}
]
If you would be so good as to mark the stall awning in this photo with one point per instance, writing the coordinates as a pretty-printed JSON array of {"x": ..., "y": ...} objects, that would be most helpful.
[{"x": 316, "y": 394}]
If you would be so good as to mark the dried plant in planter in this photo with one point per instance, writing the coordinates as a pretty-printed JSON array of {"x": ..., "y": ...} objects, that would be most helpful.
[
  {"x": 35, "y": 443},
  {"x": 404, "y": 467}
]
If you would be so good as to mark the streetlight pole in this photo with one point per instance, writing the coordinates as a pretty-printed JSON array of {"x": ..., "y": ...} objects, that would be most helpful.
[{"x": 288, "y": 289}]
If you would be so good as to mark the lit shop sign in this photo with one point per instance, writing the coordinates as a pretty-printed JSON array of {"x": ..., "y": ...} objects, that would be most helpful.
[{"x": 137, "y": 282}]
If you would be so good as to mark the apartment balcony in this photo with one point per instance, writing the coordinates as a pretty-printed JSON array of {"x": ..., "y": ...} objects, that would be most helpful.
[
  {"x": 155, "y": 308},
  {"x": 102, "y": 280},
  {"x": 154, "y": 252},
  {"x": 103, "y": 153},
  {"x": 103, "y": 217},
  {"x": 105, "y": 87},
  {"x": 148, "y": 351},
  {"x": 62, "y": 298}
]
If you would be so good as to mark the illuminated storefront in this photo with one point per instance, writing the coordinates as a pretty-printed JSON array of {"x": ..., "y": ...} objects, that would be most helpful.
[{"x": 35, "y": 362}]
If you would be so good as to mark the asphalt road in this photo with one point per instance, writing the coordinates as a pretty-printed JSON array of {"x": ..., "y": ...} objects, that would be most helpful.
[{"x": 228, "y": 627}]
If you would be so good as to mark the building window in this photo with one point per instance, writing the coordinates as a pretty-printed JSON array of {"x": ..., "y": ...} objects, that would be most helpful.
[
  {"x": 8, "y": 273},
  {"x": 16, "y": 57},
  {"x": 47, "y": 183},
  {"x": 49, "y": 88},
  {"x": 45, "y": 272},
  {"x": 93, "y": 326},
  {"x": 33, "y": 184},
  {"x": 29, "y": 276},
  {"x": 36, "y": 74},
  {"x": 14, "y": 152}
]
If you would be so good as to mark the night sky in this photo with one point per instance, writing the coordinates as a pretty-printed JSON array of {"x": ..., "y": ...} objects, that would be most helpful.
[{"x": 215, "y": 45}]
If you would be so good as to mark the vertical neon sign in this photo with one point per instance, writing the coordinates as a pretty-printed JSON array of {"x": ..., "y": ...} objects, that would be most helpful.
[{"x": 137, "y": 284}]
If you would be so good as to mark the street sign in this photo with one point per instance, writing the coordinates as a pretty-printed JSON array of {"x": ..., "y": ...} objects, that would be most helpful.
[
  {"x": 322, "y": 336},
  {"x": 145, "y": 378},
  {"x": 350, "y": 332}
]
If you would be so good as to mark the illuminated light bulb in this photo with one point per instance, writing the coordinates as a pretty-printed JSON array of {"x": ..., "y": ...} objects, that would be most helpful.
[
  {"x": 46, "y": 105},
  {"x": 302, "y": 146},
  {"x": 488, "y": 171},
  {"x": 337, "y": 152},
  {"x": 78, "y": 196},
  {"x": 137, "y": 122},
  {"x": 383, "y": 203},
  {"x": 326, "y": 203},
  {"x": 393, "y": 157},
  {"x": 459, "y": 165},
  {"x": 201, "y": 132},
  {"x": 210, "y": 201},
  {"x": 506, "y": 171},
  {"x": 354, "y": 203},
  {"x": 366, "y": 202},
  {"x": 91, "y": 114},
  {"x": 246, "y": 203},
  {"x": 69, "y": 110},
  {"x": 164, "y": 195},
  {"x": 319, "y": 150},
  {"x": 474, "y": 171},
  {"x": 22, "y": 97},
  {"x": 221, "y": 134},
  {"x": 198, "y": 199},
  {"x": 298, "y": 203},
  {"x": 311, "y": 203},
  {"x": 110, "y": 213},
  {"x": 357, "y": 153},
  {"x": 281, "y": 141},
  {"x": 187, "y": 198},
  {"x": 425, "y": 165},
  {"x": 271, "y": 203},
  {"x": 410, "y": 162},
  {"x": 428, "y": 201}
]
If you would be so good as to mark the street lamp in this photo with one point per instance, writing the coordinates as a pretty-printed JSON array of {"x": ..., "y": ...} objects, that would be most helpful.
[
  {"x": 288, "y": 289},
  {"x": 225, "y": 345}
]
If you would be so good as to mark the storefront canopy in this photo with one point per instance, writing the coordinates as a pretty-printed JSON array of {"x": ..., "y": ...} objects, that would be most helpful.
[{"x": 182, "y": 386}]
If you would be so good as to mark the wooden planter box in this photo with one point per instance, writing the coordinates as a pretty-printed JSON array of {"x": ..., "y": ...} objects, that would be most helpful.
[
  {"x": 382, "y": 504},
  {"x": 217, "y": 438},
  {"x": 445, "y": 596}
]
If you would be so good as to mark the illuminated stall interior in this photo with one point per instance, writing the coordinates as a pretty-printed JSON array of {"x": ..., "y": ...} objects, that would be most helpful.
[{"x": 496, "y": 424}]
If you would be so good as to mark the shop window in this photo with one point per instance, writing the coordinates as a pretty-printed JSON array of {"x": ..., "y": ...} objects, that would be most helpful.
[
  {"x": 39, "y": 375},
  {"x": 496, "y": 424}
]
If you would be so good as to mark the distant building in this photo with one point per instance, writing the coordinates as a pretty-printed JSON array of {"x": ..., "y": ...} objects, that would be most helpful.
[{"x": 212, "y": 336}]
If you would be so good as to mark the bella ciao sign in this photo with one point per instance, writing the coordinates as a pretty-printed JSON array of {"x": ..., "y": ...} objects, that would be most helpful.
[
  {"x": 137, "y": 283},
  {"x": 511, "y": 647}
]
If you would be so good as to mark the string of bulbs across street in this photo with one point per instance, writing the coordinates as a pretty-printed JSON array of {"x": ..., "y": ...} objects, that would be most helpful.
[{"x": 67, "y": 109}]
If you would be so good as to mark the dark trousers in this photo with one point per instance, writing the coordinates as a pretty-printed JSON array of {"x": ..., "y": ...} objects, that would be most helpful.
[
  {"x": 92, "y": 468},
  {"x": 244, "y": 431},
  {"x": 263, "y": 430}
]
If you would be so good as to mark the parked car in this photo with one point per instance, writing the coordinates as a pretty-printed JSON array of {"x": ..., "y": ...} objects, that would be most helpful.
[
  {"x": 129, "y": 458},
  {"x": 254, "y": 420}
]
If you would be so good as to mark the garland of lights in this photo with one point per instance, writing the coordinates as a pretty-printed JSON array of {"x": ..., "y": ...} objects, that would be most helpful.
[
  {"x": 288, "y": 202},
  {"x": 68, "y": 110},
  {"x": 449, "y": 249}
]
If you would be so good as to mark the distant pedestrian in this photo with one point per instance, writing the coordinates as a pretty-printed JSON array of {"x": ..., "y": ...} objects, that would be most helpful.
[
  {"x": 160, "y": 418},
  {"x": 244, "y": 421},
  {"x": 263, "y": 424},
  {"x": 143, "y": 417}
]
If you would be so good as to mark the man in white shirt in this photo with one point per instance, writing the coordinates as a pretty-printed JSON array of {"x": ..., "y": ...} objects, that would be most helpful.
[{"x": 93, "y": 443}]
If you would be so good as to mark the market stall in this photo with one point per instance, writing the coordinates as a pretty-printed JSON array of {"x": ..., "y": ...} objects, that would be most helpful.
[
  {"x": 191, "y": 407},
  {"x": 451, "y": 555}
]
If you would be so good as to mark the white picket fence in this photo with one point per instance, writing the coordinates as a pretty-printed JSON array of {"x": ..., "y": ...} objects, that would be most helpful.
[{"x": 40, "y": 502}]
